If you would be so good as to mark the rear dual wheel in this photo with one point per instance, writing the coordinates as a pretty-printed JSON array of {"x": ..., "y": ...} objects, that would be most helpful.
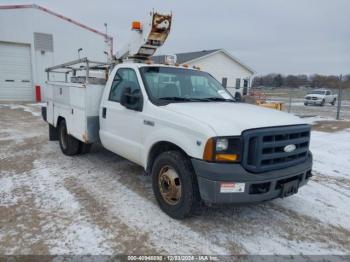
[{"x": 69, "y": 145}]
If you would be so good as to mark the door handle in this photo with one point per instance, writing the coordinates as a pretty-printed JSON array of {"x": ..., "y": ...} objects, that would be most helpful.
[{"x": 104, "y": 112}]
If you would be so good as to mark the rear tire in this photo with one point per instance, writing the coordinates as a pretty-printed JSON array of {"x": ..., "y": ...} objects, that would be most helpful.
[
  {"x": 68, "y": 144},
  {"x": 180, "y": 198},
  {"x": 305, "y": 104}
]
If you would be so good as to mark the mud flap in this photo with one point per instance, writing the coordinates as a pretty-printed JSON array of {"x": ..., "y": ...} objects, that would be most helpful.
[{"x": 53, "y": 133}]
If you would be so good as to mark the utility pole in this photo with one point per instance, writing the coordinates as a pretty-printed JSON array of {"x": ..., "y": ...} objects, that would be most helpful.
[
  {"x": 107, "y": 41},
  {"x": 339, "y": 97},
  {"x": 290, "y": 102}
]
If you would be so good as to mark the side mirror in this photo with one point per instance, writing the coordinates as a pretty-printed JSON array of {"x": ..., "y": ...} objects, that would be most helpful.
[{"x": 131, "y": 101}]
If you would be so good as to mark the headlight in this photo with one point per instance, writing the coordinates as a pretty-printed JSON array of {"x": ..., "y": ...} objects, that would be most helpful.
[
  {"x": 221, "y": 144},
  {"x": 223, "y": 149}
]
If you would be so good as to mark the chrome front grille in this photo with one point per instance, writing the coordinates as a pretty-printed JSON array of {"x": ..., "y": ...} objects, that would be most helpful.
[{"x": 265, "y": 148}]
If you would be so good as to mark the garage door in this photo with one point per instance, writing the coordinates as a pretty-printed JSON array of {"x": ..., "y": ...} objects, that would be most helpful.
[{"x": 15, "y": 73}]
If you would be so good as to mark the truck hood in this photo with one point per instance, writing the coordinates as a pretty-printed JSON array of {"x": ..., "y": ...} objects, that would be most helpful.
[
  {"x": 233, "y": 118},
  {"x": 315, "y": 95}
]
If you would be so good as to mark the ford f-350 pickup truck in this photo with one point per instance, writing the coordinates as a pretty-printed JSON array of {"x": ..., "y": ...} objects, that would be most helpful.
[{"x": 185, "y": 129}]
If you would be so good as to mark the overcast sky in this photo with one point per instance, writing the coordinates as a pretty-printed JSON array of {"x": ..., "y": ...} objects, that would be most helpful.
[{"x": 294, "y": 36}]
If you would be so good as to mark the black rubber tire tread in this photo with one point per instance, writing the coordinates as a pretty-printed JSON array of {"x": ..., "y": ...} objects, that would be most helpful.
[
  {"x": 84, "y": 148},
  {"x": 333, "y": 102},
  {"x": 72, "y": 143},
  {"x": 323, "y": 102},
  {"x": 190, "y": 198}
]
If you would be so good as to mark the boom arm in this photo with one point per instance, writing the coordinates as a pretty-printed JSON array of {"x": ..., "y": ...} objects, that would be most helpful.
[{"x": 145, "y": 40}]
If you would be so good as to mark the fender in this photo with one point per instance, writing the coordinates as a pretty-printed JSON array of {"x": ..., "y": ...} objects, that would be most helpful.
[{"x": 192, "y": 144}]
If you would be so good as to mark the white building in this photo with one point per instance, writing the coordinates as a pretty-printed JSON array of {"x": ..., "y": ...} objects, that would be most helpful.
[
  {"x": 233, "y": 73},
  {"x": 33, "y": 38}
]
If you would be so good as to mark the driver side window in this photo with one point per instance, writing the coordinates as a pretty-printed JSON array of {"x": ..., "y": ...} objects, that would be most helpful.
[{"x": 125, "y": 77}]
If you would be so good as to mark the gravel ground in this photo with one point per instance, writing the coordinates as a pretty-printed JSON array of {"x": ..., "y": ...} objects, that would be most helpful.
[{"x": 100, "y": 203}]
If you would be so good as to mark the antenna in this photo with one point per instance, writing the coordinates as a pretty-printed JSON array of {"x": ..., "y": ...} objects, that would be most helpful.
[{"x": 79, "y": 50}]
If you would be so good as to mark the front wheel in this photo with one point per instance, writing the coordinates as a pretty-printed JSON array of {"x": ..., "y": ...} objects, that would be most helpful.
[
  {"x": 175, "y": 185},
  {"x": 323, "y": 102},
  {"x": 84, "y": 148},
  {"x": 68, "y": 144},
  {"x": 333, "y": 102}
]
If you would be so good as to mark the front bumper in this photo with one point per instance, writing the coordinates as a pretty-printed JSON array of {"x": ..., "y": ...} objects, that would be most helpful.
[
  {"x": 313, "y": 102},
  {"x": 257, "y": 187}
]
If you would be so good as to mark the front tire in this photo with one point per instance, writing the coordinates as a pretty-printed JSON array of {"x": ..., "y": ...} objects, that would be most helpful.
[
  {"x": 84, "y": 148},
  {"x": 323, "y": 102},
  {"x": 333, "y": 102},
  {"x": 175, "y": 185},
  {"x": 68, "y": 144}
]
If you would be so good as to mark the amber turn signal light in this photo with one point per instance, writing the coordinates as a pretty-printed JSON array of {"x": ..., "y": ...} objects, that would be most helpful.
[
  {"x": 208, "y": 150},
  {"x": 136, "y": 25},
  {"x": 226, "y": 157}
]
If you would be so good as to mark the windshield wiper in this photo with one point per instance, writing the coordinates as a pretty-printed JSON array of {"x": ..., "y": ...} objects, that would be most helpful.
[
  {"x": 193, "y": 99},
  {"x": 175, "y": 98},
  {"x": 220, "y": 99}
]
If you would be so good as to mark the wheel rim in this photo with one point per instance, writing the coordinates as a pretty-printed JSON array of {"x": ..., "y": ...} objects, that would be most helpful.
[
  {"x": 169, "y": 185},
  {"x": 64, "y": 136}
]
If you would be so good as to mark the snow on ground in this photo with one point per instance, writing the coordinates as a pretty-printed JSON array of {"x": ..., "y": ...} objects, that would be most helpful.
[
  {"x": 100, "y": 203},
  {"x": 334, "y": 147},
  {"x": 31, "y": 108}
]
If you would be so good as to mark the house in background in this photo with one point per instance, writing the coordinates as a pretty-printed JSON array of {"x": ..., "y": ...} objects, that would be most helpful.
[
  {"x": 234, "y": 74},
  {"x": 33, "y": 38}
]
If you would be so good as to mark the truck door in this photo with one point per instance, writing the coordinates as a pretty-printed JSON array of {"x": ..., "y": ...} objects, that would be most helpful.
[{"x": 120, "y": 128}]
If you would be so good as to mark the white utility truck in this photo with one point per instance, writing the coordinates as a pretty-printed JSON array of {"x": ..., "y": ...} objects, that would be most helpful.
[
  {"x": 182, "y": 126},
  {"x": 320, "y": 97}
]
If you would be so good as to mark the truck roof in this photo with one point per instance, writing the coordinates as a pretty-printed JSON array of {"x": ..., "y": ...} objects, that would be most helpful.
[{"x": 138, "y": 65}]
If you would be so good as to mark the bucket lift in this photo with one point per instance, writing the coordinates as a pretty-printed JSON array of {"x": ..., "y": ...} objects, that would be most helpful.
[{"x": 146, "y": 37}]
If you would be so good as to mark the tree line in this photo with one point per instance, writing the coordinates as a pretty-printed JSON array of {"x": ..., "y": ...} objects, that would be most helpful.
[{"x": 295, "y": 81}]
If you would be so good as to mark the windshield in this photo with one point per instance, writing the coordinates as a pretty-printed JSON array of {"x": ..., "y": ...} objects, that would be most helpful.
[
  {"x": 317, "y": 93},
  {"x": 166, "y": 85}
]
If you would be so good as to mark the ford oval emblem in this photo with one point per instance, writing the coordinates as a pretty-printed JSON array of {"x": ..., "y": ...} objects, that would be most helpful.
[{"x": 289, "y": 148}]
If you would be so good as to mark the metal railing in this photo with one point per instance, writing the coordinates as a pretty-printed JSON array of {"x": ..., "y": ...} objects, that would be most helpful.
[{"x": 80, "y": 65}]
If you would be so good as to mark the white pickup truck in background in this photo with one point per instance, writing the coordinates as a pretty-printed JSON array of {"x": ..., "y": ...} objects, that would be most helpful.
[{"x": 320, "y": 97}]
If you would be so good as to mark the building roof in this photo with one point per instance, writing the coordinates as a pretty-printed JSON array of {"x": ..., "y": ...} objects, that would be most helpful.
[
  {"x": 188, "y": 57},
  {"x": 185, "y": 57},
  {"x": 38, "y": 7}
]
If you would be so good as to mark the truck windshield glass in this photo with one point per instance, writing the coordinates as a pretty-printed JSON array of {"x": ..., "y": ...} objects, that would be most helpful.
[{"x": 165, "y": 85}]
